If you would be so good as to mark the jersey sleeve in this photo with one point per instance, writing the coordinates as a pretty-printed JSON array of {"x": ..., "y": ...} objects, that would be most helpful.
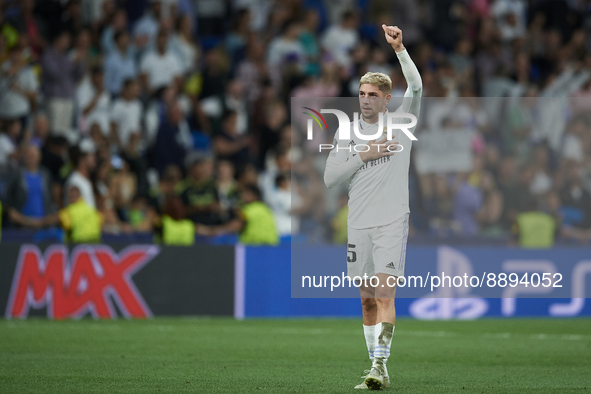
[
  {"x": 341, "y": 164},
  {"x": 412, "y": 97}
]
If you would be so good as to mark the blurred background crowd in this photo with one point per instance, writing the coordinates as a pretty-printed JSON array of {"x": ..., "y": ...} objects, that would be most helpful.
[{"x": 136, "y": 109}]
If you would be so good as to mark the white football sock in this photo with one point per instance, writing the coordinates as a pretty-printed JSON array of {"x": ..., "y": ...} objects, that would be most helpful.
[
  {"x": 370, "y": 339},
  {"x": 384, "y": 333}
]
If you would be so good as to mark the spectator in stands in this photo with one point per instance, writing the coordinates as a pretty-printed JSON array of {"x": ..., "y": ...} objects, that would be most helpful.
[
  {"x": 340, "y": 39},
  {"x": 514, "y": 186},
  {"x": 109, "y": 36},
  {"x": 285, "y": 204},
  {"x": 32, "y": 27},
  {"x": 160, "y": 67},
  {"x": 552, "y": 205},
  {"x": 461, "y": 60},
  {"x": 270, "y": 133},
  {"x": 173, "y": 140},
  {"x": 104, "y": 192},
  {"x": 94, "y": 103},
  {"x": 237, "y": 37},
  {"x": 247, "y": 175},
  {"x": 535, "y": 229},
  {"x": 438, "y": 197},
  {"x": 227, "y": 188},
  {"x": 126, "y": 115},
  {"x": 489, "y": 216},
  {"x": 29, "y": 187},
  {"x": 81, "y": 221},
  {"x": 255, "y": 223},
  {"x": 234, "y": 100},
  {"x": 229, "y": 144},
  {"x": 60, "y": 75},
  {"x": 467, "y": 203},
  {"x": 120, "y": 63},
  {"x": 183, "y": 45},
  {"x": 19, "y": 82},
  {"x": 40, "y": 130},
  {"x": 54, "y": 151},
  {"x": 309, "y": 41},
  {"x": 9, "y": 137},
  {"x": 146, "y": 29},
  {"x": 510, "y": 16},
  {"x": 251, "y": 70},
  {"x": 84, "y": 48},
  {"x": 281, "y": 164},
  {"x": 71, "y": 17},
  {"x": 287, "y": 47},
  {"x": 140, "y": 216},
  {"x": 83, "y": 158},
  {"x": 123, "y": 185},
  {"x": 165, "y": 189},
  {"x": 542, "y": 181},
  {"x": 379, "y": 61},
  {"x": 199, "y": 193},
  {"x": 572, "y": 147}
]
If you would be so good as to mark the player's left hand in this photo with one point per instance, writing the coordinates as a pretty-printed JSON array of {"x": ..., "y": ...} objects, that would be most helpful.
[{"x": 394, "y": 37}]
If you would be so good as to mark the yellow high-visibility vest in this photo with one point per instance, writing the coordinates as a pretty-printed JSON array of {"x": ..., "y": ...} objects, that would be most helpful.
[
  {"x": 260, "y": 228},
  {"x": 177, "y": 232},
  {"x": 82, "y": 222},
  {"x": 536, "y": 230}
]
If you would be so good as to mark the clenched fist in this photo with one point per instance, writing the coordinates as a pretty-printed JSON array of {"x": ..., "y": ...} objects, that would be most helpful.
[{"x": 394, "y": 37}]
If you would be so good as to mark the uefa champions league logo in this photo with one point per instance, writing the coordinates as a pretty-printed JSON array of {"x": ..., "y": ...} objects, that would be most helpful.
[{"x": 344, "y": 131}]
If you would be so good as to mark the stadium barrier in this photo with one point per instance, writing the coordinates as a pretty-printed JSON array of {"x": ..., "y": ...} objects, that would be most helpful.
[
  {"x": 265, "y": 273},
  {"x": 110, "y": 280},
  {"x": 144, "y": 280}
]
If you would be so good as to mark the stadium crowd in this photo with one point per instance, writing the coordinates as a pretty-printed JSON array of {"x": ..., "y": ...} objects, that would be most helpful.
[{"x": 139, "y": 109}]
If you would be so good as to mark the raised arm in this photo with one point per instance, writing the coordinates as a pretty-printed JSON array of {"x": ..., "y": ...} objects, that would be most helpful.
[{"x": 414, "y": 91}]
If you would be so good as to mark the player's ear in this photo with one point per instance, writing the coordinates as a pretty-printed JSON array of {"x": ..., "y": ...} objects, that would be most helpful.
[{"x": 388, "y": 98}]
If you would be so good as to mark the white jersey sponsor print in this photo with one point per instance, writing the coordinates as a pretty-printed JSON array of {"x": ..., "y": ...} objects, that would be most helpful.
[{"x": 378, "y": 190}]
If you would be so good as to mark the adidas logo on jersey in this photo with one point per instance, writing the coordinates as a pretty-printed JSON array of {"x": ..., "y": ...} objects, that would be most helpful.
[{"x": 391, "y": 265}]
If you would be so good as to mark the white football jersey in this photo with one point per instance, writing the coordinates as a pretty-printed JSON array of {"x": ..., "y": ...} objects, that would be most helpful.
[{"x": 378, "y": 191}]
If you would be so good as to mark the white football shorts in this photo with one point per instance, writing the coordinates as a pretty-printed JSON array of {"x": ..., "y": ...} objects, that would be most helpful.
[{"x": 378, "y": 250}]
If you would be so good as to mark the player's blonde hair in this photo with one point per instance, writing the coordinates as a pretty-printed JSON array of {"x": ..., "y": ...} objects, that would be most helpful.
[{"x": 379, "y": 80}]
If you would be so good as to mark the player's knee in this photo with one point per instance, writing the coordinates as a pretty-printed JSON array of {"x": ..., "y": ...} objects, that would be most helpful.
[
  {"x": 385, "y": 303},
  {"x": 368, "y": 304}
]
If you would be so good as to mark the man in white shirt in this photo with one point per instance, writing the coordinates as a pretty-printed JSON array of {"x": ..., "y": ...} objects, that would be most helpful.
[
  {"x": 145, "y": 29},
  {"x": 94, "y": 103},
  {"x": 85, "y": 161},
  {"x": 18, "y": 86},
  {"x": 126, "y": 115},
  {"x": 160, "y": 67},
  {"x": 378, "y": 204},
  {"x": 340, "y": 39},
  {"x": 120, "y": 63},
  {"x": 287, "y": 47}
]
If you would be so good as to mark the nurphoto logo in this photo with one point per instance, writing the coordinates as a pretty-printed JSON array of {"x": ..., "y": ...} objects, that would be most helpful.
[{"x": 344, "y": 132}]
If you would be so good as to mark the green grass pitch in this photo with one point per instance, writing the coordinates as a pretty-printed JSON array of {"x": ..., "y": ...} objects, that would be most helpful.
[{"x": 200, "y": 355}]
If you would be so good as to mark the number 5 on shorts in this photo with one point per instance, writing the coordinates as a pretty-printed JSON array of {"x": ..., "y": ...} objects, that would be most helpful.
[{"x": 351, "y": 254}]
